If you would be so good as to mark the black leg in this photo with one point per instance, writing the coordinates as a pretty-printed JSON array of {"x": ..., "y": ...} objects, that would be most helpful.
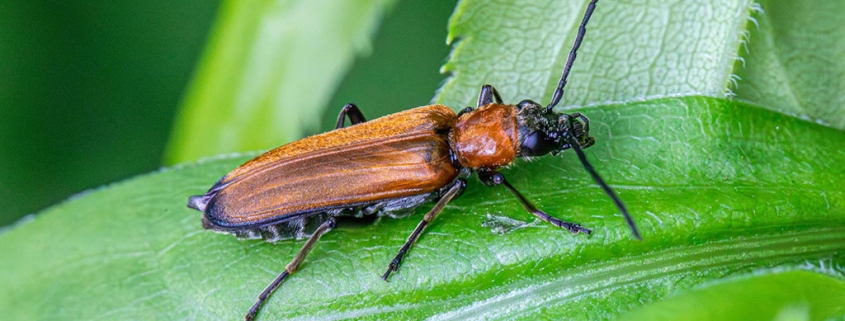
[
  {"x": 491, "y": 178},
  {"x": 584, "y": 120},
  {"x": 460, "y": 184},
  {"x": 464, "y": 111},
  {"x": 355, "y": 116},
  {"x": 290, "y": 268},
  {"x": 488, "y": 93},
  {"x": 579, "y": 129}
]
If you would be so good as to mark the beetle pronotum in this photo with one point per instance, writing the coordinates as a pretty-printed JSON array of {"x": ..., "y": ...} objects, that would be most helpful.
[{"x": 391, "y": 165}]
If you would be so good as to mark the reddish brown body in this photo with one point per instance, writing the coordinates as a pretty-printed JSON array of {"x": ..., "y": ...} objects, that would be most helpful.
[
  {"x": 395, "y": 156},
  {"x": 412, "y": 153},
  {"x": 487, "y": 137}
]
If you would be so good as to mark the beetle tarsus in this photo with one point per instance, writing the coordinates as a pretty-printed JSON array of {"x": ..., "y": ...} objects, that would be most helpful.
[
  {"x": 456, "y": 189},
  {"x": 386, "y": 275},
  {"x": 574, "y": 228},
  {"x": 394, "y": 265},
  {"x": 493, "y": 178},
  {"x": 569, "y": 226},
  {"x": 253, "y": 311},
  {"x": 397, "y": 260}
]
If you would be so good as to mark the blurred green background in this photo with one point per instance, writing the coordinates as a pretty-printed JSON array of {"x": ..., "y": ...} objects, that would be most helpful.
[{"x": 89, "y": 90}]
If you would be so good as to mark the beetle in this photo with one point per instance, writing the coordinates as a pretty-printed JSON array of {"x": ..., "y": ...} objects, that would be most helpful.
[{"x": 390, "y": 166}]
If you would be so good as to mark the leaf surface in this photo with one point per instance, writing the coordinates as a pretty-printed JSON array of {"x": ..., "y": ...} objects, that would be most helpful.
[
  {"x": 772, "y": 295},
  {"x": 718, "y": 188},
  {"x": 268, "y": 72},
  {"x": 710, "y": 197}
]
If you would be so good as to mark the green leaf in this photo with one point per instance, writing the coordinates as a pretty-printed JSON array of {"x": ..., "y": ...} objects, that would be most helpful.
[
  {"x": 795, "y": 60},
  {"x": 717, "y": 187},
  {"x": 268, "y": 72},
  {"x": 776, "y": 295},
  {"x": 633, "y": 50},
  {"x": 710, "y": 196}
]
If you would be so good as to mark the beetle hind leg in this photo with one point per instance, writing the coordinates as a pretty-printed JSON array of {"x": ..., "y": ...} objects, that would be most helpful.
[
  {"x": 290, "y": 268},
  {"x": 456, "y": 189},
  {"x": 492, "y": 178},
  {"x": 349, "y": 110}
]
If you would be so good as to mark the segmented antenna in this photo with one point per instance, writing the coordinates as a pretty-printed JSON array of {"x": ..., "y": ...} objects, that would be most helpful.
[
  {"x": 583, "y": 158},
  {"x": 572, "y": 141},
  {"x": 572, "y": 53}
]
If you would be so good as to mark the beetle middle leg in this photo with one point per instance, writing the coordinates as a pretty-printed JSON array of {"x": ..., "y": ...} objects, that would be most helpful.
[
  {"x": 290, "y": 268},
  {"x": 492, "y": 178},
  {"x": 456, "y": 189},
  {"x": 488, "y": 93},
  {"x": 351, "y": 111}
]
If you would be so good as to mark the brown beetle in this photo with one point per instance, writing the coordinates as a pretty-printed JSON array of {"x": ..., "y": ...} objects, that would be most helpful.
[{"x": 390, "y": 166}]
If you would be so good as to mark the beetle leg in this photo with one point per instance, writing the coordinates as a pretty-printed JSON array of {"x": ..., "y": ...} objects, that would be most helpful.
[
  {"x": 464, "y": 111},
  {"x": 459, "y": 185},
  {"x": 488, "y": 93},
  {"x": 290, "y": 268},
  {"x": 583, "y": 119},
  {"x": 354, "y": 114},
  {"x": 492, "y": 178}
]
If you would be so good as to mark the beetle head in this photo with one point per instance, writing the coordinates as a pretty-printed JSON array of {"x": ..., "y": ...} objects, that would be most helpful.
[{"x": 543, "y": 131}]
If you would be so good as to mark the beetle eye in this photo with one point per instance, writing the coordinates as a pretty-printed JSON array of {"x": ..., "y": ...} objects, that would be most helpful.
[{"x": 538, "y": 143}]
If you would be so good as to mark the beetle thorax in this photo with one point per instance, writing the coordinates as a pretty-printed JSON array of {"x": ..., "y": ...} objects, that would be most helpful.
[{"x": 486, "y": 138}]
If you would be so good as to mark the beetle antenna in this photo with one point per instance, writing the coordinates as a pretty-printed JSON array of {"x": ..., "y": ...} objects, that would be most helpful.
[
  {"x": 583, "y": 158},
  {"x": 572, "y": 53}
]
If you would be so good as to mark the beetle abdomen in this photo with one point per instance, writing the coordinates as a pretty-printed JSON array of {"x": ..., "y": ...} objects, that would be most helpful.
[{"x": 302, "y": 225}]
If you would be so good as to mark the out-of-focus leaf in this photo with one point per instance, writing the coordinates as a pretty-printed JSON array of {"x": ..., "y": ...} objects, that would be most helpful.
[
  {"x": 794, "y": 60},
  {"x": 633, "y": 50},
  {"x": 268, "y": 72},
  {"x": 88, "y": 92},
  {"x": 780, "y": 296}
]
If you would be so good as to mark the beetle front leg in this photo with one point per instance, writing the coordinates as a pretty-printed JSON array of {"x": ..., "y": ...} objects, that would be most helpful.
[
  {"x": 456, "y": 189},
  {"x": 354, "y": 114},
  {"x": 488, "y": 94},
  {"x": 492, "y": 178}
]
